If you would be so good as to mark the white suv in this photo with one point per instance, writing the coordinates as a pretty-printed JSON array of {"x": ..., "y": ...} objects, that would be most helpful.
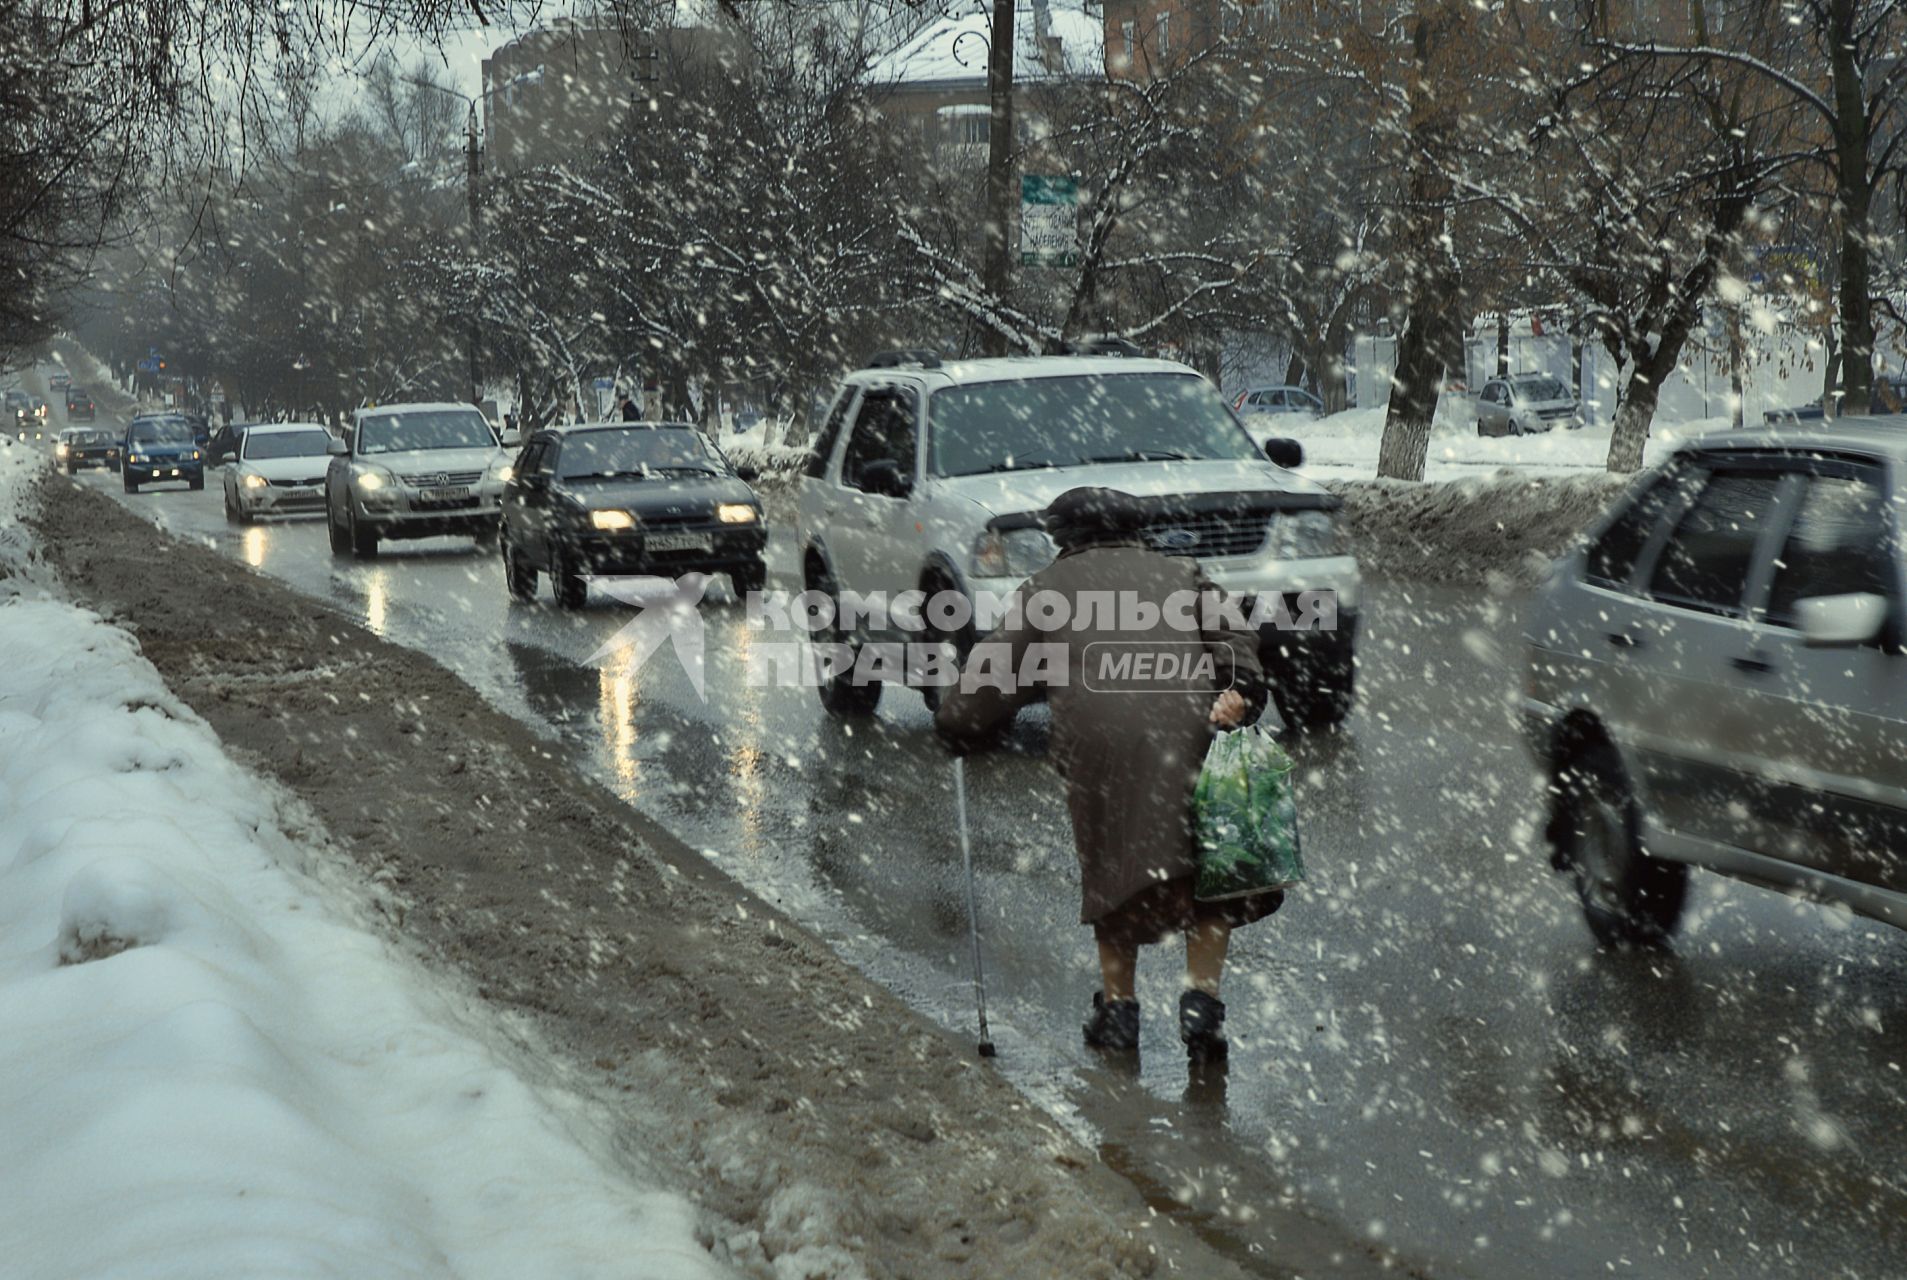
[
  {"x": 931, "y": 476},
  {"x": 414, "y": 471}
]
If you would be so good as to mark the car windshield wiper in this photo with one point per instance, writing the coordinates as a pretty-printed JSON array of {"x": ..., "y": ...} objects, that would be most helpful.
[
  {"x": 1146, "y": 455},
  {"x": 1031, "y": 463}
]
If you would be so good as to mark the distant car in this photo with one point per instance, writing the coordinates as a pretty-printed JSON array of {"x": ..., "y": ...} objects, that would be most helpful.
[
  {"x": 1525, "y": 403},
  {"x": 1718, "y": 678},
  {"x": 60, "y": 380},
  {"x": 746, "y": 422},
  {"x": 78, "y": 447},
  {"x": 414, "y": 471},
  {"x": 79, "y": 405},
  {"x": 627, "y": 498},
  {"x": 19, "y": 409},
  {"x": 279, "y": 470},
  {"x": 157, "y": 448},
  {"x": 1890, "y": 396},
  {"x": 1280, "y": 400}
]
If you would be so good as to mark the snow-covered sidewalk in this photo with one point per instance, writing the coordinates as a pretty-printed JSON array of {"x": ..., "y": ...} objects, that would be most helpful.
[{"x": 209, "y": 1066}]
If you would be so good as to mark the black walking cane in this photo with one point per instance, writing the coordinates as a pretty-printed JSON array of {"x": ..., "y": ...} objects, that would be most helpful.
[{"x": 973, "y": 911}]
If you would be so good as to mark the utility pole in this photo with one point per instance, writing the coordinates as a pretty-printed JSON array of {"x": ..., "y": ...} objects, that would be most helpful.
[
  {"x": 473, "y": 174},
  {"x": 998, "y": 269}
]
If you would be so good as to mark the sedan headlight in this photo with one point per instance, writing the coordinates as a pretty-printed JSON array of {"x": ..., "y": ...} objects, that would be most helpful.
[
  {"x": 1016, "y": 553},
  {"x": 371, "y": 481},
  {"x": 736, "y": 513},
  {"x": 59, "y": 450},
  {"x": 255, "y": 482},
  {"x": 1304, "y": 535},
  {"x": 611, "y": 520}
]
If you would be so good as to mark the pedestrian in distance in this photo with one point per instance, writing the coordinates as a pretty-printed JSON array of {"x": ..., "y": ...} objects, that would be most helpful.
[
  {"x": 1130, "y": 750},
  {"x": 626, "y": 407}
]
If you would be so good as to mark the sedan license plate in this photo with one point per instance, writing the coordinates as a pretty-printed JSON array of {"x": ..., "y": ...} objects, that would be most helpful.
[
  {"x": 678, "y": 542},
  {"x": 301, "y": 493},
  {"x": 452, "y": 493}
]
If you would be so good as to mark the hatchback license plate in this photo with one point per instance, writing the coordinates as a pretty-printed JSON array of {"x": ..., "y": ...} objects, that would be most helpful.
[
  {"x": 452, "y": 494},
  {"x": 678, "y": 542},
  {"x": 301, "y": 493}
]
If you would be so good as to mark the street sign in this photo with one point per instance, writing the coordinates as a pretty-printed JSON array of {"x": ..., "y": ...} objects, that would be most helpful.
[{"x": 1049, "y": 221}]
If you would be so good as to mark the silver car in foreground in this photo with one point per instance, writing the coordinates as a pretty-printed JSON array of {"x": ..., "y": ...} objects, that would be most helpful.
[
  {"x": 1717, "y": 679},
  {"x": 414, "y": 471}
]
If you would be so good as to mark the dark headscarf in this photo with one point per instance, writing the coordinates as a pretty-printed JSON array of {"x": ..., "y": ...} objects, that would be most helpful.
[{"x": 1090, "y": 516}]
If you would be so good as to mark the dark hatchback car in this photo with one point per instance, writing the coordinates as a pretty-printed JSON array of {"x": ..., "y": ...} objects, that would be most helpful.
[
  {"x": 627, "y": 498},
  {"x": 160, "y": 447},
  {"x": 79, "y": 405}
]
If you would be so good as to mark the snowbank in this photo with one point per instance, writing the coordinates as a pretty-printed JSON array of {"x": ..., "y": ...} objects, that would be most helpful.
[
  {"x": 1345, "y": 445},
  {"x": 210, "y": 1069},
  {"x": 1503, "y": 528}
]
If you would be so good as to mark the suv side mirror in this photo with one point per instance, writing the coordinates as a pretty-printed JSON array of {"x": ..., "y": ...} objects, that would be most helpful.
[
  {"x": 1841, "y": 621},
  {"x": 884, "y": 477},
  {"x": 336, "y": 448},
  {"x": 510, "y": 438},
  {"x": 1284, "y": 452}
]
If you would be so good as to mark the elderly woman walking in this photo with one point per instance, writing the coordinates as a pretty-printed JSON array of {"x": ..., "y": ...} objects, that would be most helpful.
[{"x": 1129, "y": 749}]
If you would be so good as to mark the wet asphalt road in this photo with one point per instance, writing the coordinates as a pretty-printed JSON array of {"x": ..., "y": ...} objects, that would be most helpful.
[{"x": 1430, "y": 1058}]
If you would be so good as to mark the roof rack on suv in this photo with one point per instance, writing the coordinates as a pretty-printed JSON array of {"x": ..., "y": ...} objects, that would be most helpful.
[
  {"x": 1103, "y": 346},
  {"x": 904, "y": 356}
]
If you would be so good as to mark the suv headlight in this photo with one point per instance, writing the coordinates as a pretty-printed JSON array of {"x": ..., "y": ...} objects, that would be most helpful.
[
  {"x": 499, "y": 471},
  {"x": 1304, "y": 535},
  {"x": 1017, "y": 553},
  {"x": 611, "y": 520}
]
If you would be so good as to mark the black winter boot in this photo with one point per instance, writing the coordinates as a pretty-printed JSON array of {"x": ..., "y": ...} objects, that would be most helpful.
[
  {"x": 1114, "y": 1024},
  {"x": 1202, "y": 1025}
]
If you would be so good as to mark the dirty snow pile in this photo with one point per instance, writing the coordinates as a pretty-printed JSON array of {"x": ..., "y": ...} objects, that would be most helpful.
[
  {"x": 1344, "y": 445},
  {"x": 207, "y": 1069}
]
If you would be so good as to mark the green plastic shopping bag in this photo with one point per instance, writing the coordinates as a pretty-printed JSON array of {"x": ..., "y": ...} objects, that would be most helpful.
[{"x": 1247, "y": 820}]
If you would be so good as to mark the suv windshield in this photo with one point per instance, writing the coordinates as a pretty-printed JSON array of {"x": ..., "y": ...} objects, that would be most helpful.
[
  {"x": 1540, "y": 389},
  {"x": 162, "y": 431},
  {"x": 636, "y": 451},
  {"x": 430, "y": 429},
  {"x": 286, "y": 444},
  {"x": 1073, "y": 421}
]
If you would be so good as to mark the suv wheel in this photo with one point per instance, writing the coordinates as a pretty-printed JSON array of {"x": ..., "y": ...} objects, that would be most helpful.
[
  {"x": 363, "y": 541},
  {"x": 519, "y": 577},
  {"x": 340, "y": 537},
  {"x": 841, "y": 696},
  {"x": 1319, "y": 697},
  {"x": 961, "y": 642},
  {"x": 131, "y": 485},
  {"x": 571, "y": 587},
  {"x": 1629, "y": 899}
]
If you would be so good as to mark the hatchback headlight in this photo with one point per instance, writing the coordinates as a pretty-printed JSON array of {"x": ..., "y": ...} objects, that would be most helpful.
[
  {"x": 1303, "y": 535},
  {"x": 1017, "y": 553},
  {"x": 735, "y": 513},
  {"x": 256, "y": 482},
  {"x": 611, "y": 520}
]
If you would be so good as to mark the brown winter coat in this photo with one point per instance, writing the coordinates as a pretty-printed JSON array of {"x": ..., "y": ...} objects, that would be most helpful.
[{"x": 1130, "y": 755}]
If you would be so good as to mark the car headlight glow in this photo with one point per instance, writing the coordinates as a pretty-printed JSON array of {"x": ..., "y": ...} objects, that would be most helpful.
[
  {"x": 140, "y": 457},
  {"x": 1303, "y": 535},
  {"x": 256, "y": 482},
  {"x": 611, "y": 520},
  {"x": 735, "y": 513},
  {"x": 370, "y": 482},
  {"x": 60, "y": 450},
  {"x": 196, "y": 455},
  {"x": 1016, "y": 553},
  {"x": 505, "y": 473}
]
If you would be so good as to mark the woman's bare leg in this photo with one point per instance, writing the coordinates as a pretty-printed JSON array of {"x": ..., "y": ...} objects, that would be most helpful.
[
  {"x": 1117, "y": 968},
  {"x": 1205, "y": 947}
]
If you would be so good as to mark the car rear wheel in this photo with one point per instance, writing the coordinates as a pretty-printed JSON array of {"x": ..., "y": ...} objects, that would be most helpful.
[
  {"x": 518, "y": 577},
  {"x": 1628, "y": 898}
]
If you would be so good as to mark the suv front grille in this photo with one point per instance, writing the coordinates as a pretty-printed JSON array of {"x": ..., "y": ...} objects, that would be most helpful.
[
  {"x": 436, "y": 479},
  {"x": 1208, "y": 535}
]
